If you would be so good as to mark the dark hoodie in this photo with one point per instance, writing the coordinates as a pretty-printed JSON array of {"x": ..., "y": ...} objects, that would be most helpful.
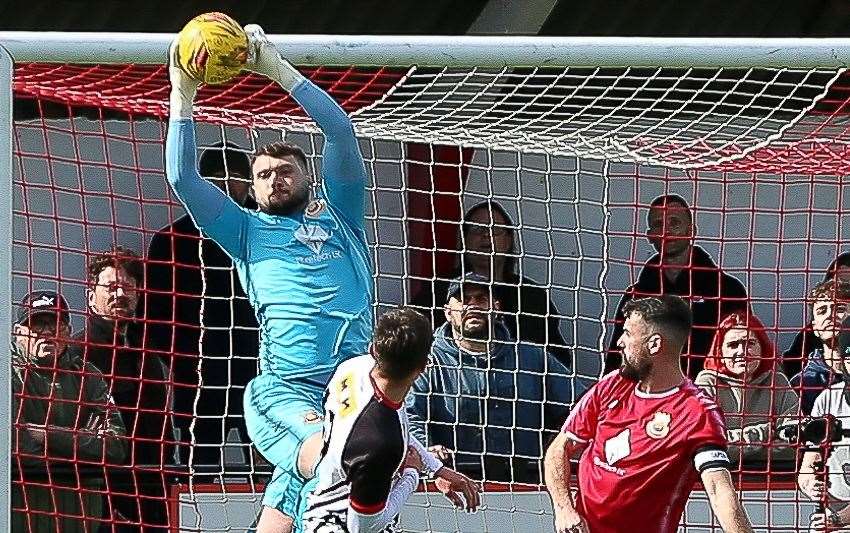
[
  {"x": 712, "y": 293},
  {"x": 815, "y": 377},
  {"x": 526, "y": 309},
  {"x": 505, "y": 403}
]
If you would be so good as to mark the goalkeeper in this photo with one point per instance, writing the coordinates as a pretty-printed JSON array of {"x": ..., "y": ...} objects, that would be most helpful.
[{"x": 304, "y": 264}]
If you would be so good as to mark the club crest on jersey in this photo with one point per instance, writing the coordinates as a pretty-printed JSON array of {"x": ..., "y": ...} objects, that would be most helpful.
[
  {"x": 659, "y": 426},
  {"x": 314, "y": 209}
]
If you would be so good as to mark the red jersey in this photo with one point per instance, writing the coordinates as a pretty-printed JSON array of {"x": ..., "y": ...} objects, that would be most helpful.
[{"x": 644, "y": 453}]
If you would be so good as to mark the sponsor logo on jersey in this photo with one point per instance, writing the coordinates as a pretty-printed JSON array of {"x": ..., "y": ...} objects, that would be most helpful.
[
  {"x": 314, "y": 209},
  {"x": 613, "y": 403},
  {"x": 314, "y": 237},
  {"x": 659, "y": 426},
  {"x": 618, "y": 447}
]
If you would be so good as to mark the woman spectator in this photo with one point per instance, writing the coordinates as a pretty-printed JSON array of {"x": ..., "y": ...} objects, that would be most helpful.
[{"x": 755, "y": 399}]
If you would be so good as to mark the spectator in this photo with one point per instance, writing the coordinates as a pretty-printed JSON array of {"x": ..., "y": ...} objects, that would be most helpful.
[
  {"x": 492, "y": 400},
  {"x": 138, "y": 382},
  {"x": 683, "y": 269},
  {"x": 833, "y": 401},
  {"x": 756, "y": 400},
  {"x": 489, "y": 243},
  {"x": 829, "y": 301},
  {"x": 183, "y": 272},
  {"x": 806, "y": 341},
  {"x": 65, "y": 424}
]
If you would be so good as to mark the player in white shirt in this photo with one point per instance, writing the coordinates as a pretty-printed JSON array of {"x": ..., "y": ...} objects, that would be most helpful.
[
  {"x": 370, "y": 464},
  {"x": 832, "y": 402}
]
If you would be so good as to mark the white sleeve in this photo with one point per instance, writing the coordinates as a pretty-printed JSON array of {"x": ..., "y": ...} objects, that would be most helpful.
[
  {"x": 431, "y": 462},
  {"x": 819, "y": 407},
  {"x": 373, "y": 523}
]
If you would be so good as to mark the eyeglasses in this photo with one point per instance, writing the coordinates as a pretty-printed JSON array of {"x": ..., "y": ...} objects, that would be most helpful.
[{"x": 481, "y": 231}]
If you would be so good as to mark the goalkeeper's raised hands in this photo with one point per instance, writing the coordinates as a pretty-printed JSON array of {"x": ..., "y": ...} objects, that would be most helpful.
[{"x": 264, "y": 59}]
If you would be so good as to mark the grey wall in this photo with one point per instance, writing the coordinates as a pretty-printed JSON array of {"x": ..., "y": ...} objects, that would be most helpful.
[{"x": 581, "y": 233}]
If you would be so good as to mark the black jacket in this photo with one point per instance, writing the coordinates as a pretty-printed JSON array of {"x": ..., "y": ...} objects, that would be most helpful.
[
  {"x": 137, "y": 381},
  {"x": 525, "y": 309},
  {"x": 173, "y": 328},
  {"x": 712, "y": 293}
]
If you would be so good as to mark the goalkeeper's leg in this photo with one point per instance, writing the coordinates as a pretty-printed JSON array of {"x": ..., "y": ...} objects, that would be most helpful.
[{"x": 284, "y": 423}]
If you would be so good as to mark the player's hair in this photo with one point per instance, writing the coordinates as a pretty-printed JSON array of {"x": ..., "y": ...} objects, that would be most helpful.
[
  {"x": 666, "y": 199},
  {"x": 281, "y": 149},
  {"x": 666, "y": 314},
  {"x": 831, "y": 289},
  {"x": 116, "y": 257},
  {"x": 401, "y": 342},
  {"x": 223, "y": 157}
]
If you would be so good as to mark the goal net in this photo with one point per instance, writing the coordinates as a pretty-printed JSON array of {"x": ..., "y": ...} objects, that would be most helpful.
[{"x": 574, "y": 156}]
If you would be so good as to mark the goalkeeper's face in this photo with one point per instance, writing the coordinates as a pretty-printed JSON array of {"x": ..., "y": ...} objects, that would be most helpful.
[{"x": 281, "y": 186}]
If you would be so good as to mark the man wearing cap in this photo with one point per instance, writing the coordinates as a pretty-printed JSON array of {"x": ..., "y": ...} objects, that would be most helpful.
[
  {"x": 833, "y": 402},
  {"x": 65, "y": 424},
  {"x": 215, "y": 345},
  {"x": 486, "y": 391}
]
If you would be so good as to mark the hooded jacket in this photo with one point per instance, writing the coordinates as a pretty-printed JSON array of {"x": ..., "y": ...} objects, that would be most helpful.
[
  {"x": 711, "y": 293},
  {"x": 526, "y": 309},
  {"x": 814, "y": 379},
  {"x": 505, "y": 402},
  {"x": 753, "y": 409}
]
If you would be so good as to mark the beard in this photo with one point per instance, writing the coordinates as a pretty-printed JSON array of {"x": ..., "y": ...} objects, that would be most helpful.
[
  {"x": 283, "y": 206},
  {"x": 476, "y": 330},
  {"x": 635, "y": 372}
]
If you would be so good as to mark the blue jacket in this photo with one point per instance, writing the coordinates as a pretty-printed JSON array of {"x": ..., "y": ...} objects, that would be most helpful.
[
  {"x": 815, "y": 377},
  {"x": 478, "y": 404}
]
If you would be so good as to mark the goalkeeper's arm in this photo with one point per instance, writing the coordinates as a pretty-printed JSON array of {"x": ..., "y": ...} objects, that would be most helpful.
[
  {"x": 343, "y": 169},
  {"x": 211, "y": 209}
]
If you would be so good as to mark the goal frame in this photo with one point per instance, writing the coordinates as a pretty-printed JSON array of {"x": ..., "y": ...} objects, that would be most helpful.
[{"x": 336, "y": 50}]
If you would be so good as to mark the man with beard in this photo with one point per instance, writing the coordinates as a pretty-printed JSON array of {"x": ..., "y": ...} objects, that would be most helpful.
[
  {"x": 682, "y": 268},
  {"x": 138, "y": 381},
  {"x": 645, "y": 434},
  {"x": 304, "y": 265},
  {"x": 487, "y": 392}
]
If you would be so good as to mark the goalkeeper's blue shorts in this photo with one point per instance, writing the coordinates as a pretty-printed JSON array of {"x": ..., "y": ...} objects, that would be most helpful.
[{"x": 280, "y": 415}]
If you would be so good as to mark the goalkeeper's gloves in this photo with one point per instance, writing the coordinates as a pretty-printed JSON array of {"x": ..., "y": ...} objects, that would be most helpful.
[
  {"x": 183, "y": 87},
  {"x": 263, "y": 58}
]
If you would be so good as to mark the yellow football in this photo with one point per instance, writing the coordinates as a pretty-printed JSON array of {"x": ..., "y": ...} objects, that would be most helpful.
[{"x": 212, "y": 48}]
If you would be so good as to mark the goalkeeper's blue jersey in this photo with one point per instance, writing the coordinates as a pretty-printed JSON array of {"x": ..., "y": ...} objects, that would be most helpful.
[{"x": 308, "y": 275}]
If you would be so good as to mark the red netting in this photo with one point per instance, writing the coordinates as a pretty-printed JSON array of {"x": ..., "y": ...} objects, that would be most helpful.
[
  {"x": 143, "y": 89},
  {"x": 88, "y": 174}
]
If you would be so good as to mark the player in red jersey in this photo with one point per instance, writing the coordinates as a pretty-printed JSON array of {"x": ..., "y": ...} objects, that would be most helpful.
[{"x": 646, "y": 433}]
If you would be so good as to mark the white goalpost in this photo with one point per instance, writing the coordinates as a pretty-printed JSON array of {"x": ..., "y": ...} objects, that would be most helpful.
[{"x": 574, "y": 137}]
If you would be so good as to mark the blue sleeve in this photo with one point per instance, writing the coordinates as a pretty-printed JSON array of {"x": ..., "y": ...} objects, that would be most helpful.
[
  {"x": 417, "y": 409},
  {"x": 212, "y": 211},
  {"x": 343, "y": 170}
]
